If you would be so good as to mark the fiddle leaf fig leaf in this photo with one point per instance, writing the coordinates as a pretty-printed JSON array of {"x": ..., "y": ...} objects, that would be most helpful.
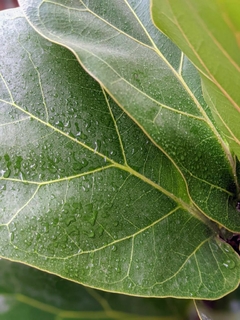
[
  {"x": 208, "y": 33},
  {"x": 120, "y": 47},
  {"x": 105, "y": 185}
]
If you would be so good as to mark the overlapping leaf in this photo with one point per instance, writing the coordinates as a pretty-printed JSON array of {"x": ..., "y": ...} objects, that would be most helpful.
[
  {"x": 208, "y": 32},
  {"x": 153, "y": 83},
  {"x": 27, "y": 293},
  {"x": 85, "y": 194}
]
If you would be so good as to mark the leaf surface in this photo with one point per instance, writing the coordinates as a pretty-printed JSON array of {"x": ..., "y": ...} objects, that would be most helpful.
[
  {"x": 208, "y": 33},
  {"x": 85, "y": 194},
  {"x": 154, "y": 84}
]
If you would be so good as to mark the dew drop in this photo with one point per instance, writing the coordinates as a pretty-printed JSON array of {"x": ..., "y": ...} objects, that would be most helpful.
[
  {"x": 118, "y": 270},
  {"x": 6, "y": 173},
  {"x": 55, "y": 221},
  {"x": 116, "y": 223},
  {"x": 231, "y": 264},
  {"x": 91, "y": 234},
  {"x": 70, "y": 220},
  {"x": 46, "y": 228},
  {"x": 59, "y": 124},
  {"x": 100, "y": 231},
  {"x": 38, "y": 236},
  {"x": 93, "y": 217},
  {"x": 11, "y": 236}
]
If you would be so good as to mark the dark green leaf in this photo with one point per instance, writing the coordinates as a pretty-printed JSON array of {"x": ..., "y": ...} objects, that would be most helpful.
[
  {"x": 85, "y": 194},
  {"x": 122, "y": 49}
]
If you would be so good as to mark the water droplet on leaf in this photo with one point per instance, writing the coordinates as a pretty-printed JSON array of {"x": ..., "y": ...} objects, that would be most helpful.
[{"x": 91, "y": 234}]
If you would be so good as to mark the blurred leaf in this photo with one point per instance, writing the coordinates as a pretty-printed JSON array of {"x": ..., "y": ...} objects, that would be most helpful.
[
  {"x": 208, "y": 32},
  {"x": 27, "y": 293}
]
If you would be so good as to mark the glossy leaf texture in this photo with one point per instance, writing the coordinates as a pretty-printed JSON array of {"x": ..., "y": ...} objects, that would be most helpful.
[
  {"x": 86, "y": 195},
  {"x": 155, "y": 85},
  {"x": 27, "y": 293},
  {"x": 208, "y": 33}
]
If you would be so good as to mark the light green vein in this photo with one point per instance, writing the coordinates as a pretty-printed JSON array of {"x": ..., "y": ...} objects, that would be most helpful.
[
  {"x": 184, "y": 263},
  {"x": 39, "y": 80},
  {"x": 130, "y": 259},
  {"x": 25, "y": 205},
  {"x": 60, "y": 179},
  {"x": 193, "y": 254},
  {"x": 62, "y": 5},
  {"x": 6, "y": 85},
  {"x": 116, "y": 127},
  {"x": 217, "y": 263},
  {"x": 116, "y": 241},
  {"x": 57, "y": 130},
  {"x": 181, "y": 65},
  {"x": 13, "y": 122}
]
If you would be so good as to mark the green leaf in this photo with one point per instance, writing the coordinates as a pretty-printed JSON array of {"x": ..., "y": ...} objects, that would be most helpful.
[
  {"x": 27, "y": 293},
  {"x": 87, "y": 195},
  {"x": 208, "y": 32},
  {"x": 129, "y": 57}
]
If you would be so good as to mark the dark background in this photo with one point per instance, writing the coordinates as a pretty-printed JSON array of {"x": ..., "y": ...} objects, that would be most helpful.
[{"x": 6, "y": 4}]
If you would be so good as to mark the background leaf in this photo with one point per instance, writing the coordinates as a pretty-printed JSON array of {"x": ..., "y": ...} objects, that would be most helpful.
[
  {"x": 225, "y": 308},
  {"x": 27, "y": 293},
  {"x": 208, "y": 32},
  {"x": 85, "y": 194}
]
